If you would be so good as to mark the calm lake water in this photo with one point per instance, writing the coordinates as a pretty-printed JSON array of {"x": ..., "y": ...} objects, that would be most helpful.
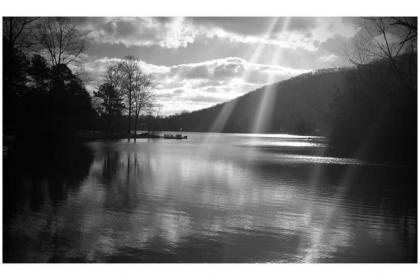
[{"x": 210, "y": 198}]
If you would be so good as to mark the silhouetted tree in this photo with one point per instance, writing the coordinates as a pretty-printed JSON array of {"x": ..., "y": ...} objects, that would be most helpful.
[
  {"x": 39, "y": 73},
  {"x": 52, "y": 106},
  {"x": 386, "y": 38},
  {"x": 142, "y": 95},
  {"x": 136, "y": 87},
  {"x": 111, "y": 102},
  {"x": 130, "y": 69},
  {"x": 59, "y": 39},
  {"x": 114, "y": 75},
  {"x": 16, "y": 40},
  {"x": 375, "y": 112},
  {"x": 45, "y": 101},
  {"x": 17, "y": 33}
]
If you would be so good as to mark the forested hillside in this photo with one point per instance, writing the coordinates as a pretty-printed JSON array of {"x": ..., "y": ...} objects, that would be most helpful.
[
  {"x": 366, "y": 107},
  {"x": 298, "y": 105}
]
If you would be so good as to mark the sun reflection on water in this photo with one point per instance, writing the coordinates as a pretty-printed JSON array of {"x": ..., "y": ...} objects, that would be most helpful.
[{"x": 147, "y": 201}]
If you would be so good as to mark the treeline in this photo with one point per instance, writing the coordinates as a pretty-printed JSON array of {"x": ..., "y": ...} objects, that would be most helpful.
[
  {"x": 375, "y": 111},
  {"x": 44, "y": 100}
]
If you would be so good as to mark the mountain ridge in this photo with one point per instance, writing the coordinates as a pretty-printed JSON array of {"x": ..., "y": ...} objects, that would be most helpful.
[{"x": 245, "y": 108}]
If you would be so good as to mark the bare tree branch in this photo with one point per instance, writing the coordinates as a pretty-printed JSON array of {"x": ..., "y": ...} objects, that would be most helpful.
[
  {"x": 385, "y": 38},
  {"x": 17, "y": 33},
  {"x": 60, "y": 39}
]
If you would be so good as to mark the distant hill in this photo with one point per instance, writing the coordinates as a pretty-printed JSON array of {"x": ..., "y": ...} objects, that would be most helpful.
[{"x": 296, "y": 105}]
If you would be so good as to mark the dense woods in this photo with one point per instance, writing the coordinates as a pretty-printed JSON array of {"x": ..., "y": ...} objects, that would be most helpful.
[
  {"x": 43, "y": 98},
  {"x": 47, "y": 101}
]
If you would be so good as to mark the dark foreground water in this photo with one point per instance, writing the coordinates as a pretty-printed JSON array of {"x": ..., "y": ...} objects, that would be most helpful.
[{"x": 211, "y": 198}]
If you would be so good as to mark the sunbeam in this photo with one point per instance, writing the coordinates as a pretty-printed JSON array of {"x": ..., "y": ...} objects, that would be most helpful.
[
  {"x": 265, "y": 106},
  {"x": 224, "y": 114}
]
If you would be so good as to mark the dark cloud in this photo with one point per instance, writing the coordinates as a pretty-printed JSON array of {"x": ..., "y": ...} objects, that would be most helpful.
[
  {"x": 163, "y": 19},
  {"x": 302, "y": 24}
]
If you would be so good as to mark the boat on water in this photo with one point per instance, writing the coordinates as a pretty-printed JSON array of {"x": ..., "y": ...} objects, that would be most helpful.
[{"x": 176, "y": 136}]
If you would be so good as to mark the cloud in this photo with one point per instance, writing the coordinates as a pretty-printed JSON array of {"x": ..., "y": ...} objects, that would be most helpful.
[
  {"x": 198, "y": 62},
  {"x": 219, "y": 71},
  {"x": 195, "y": 71},
  {"x": 163, "y": 32},
  {"x": 300, "y": 42},
  {"x": 199, "y": 85},
  {"x": 173, "y": 33},
  {"x": 302, "y": 24}
]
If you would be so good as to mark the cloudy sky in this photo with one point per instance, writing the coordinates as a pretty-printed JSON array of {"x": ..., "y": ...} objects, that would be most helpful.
[{"x": 199, "y": 62}]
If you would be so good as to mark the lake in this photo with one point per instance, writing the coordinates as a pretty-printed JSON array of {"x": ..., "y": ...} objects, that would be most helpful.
[{"x": 209, "y": 198}]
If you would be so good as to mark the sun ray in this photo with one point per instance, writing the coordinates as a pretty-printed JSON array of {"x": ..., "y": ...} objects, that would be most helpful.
[
  {"x": 226, "y": 111},
  {"x": 265, "y": 107}
]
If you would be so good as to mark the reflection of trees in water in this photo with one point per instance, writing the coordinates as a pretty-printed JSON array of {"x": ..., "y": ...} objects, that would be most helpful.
[
  {"x": 39, "y": 179},
  {"x": 173, "y": 208},
  {"x": 121, "y": 174},
  {"x": 38, "y": 174},
  {"x": 110, "y": 164}
]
